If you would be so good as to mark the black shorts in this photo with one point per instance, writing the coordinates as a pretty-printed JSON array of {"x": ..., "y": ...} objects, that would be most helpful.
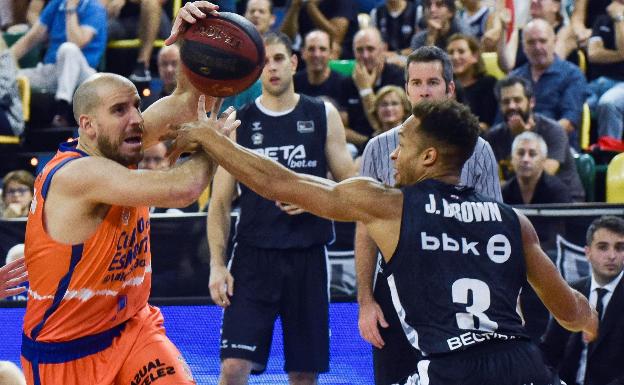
[
  {"x": 397, "y": 360},
  {"x": 516, "y": 362},
  {"x": 290, "y": 283}
]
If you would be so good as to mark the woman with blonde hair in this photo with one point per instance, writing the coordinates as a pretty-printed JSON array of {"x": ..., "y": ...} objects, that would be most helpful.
[{"x": 390, "y": 108}]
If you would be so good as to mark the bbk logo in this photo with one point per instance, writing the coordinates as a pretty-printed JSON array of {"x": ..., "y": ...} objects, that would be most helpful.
[
  {"x": 498, "y": 247},
  {"x": 294, "y": 157},
  {"x": 255, "y": 126},
  {"x": 257, "y": 139}
]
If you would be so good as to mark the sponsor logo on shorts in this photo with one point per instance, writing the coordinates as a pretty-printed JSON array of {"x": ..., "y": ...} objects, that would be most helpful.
[
  {"x": 470, "y": 338},
  {"x": 152, "y": 372},
  {"x": 227, "y": 345}
]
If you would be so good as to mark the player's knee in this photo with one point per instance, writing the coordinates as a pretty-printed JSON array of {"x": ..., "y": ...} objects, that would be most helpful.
[
  {"x": 302, "y": 378},
  {"x": 233, "y": 370}
]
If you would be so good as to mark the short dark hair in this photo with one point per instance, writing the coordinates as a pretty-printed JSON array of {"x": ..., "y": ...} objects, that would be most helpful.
[
  {"x": 609, "y": 222},
  {"x": 278, "y": 38},
  {"x": 451, "y": 124},
  {"x": 450, "y": 4},
  {"x": 510, "y": 81},
  {"x": 428, "y": 54}
]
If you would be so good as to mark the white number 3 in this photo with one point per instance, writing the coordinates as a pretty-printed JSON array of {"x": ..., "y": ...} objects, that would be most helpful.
[{"x": 480, "y": 303}]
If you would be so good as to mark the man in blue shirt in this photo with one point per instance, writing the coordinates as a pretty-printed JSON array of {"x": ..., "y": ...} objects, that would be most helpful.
[
  {"x": 76, "y": 34},
  {"x": 560, "y": 86}
]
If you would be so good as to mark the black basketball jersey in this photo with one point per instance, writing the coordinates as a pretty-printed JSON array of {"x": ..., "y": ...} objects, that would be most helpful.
[
  {"x": 296, "y": 140},
  {"x": 458, "y": 268}
]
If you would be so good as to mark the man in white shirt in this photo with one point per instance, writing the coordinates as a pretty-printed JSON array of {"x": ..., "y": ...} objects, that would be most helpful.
[{"x": 599, "y": 362}]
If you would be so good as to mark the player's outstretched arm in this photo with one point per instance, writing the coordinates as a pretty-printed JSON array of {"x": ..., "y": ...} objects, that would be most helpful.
[{"x": 569, "y": 307}]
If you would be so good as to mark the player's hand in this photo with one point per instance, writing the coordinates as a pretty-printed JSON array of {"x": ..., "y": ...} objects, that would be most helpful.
[
  {"x": 590, "y": 333},
  {"x": 289, "y": 209},
  {"x": 188, "y": 136},
  {"x": 370, "y": 315},
  {"x": 11, "y": 275},
  {"x": 221, "y": 285},
  {"x": 189, "y": 14}
]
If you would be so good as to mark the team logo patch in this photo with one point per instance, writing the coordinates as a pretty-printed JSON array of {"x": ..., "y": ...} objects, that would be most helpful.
[
  {"x": 257, "y": 139},
  {"x": 255, "y": 126},
  {"x": 305, "y": 126}
]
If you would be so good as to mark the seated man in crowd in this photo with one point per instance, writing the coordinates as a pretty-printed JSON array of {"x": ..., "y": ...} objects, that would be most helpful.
[
  {"x": 370, "y": 74},
  {"x": 441, "y": 23},
  {"x": 516, "y": 100},
  {"x": 144, "y": 19},
  {"x": 76, "y": 34},
  {"x": 560, "y": 86},
  {"x": 397, "y": 21},
  {"x": 599, "y": 362},
  {"x": 317, "y": 79},
  {"x": 168, "y": 60},
  {"x": 337, "y": 18},
  {"x": 606, "y": 55},
  {"x": 530, "y": 184}
]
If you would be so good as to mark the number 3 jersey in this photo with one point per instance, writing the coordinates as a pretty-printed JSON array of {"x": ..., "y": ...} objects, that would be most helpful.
[{"x": 458, "y": 268}]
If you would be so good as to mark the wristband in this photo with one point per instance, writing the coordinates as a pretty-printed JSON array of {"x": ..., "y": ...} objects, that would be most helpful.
[
  {"x": 70, "y": 10},
  {"x": 618, "y": 18},
  {"x": 366, "y": 91}
]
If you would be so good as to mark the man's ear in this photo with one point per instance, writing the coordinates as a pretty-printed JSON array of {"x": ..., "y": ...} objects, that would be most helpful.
[
  {"x": 451, "y": 90},
  {"x": 86, "y": 124},
  {"x": 429, "y": 156},
  {"x": 294, "y": 62}
]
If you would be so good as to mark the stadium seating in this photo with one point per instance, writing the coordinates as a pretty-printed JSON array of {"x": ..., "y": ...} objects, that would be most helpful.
[
  {"x": 490, "y": 61},
  {"x": 345, "y": 67},
  {"x": 586, "y": 168}
]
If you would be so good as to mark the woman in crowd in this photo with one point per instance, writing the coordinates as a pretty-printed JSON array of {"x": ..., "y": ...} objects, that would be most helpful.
[
  {"x": 391, "y": 108},
  {"x": 469, "y": 71},
  {"x": 17, "y": 192}
]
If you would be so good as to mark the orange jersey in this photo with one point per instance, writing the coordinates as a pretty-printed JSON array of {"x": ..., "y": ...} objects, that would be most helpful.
[{"x": 85, "y": 289}]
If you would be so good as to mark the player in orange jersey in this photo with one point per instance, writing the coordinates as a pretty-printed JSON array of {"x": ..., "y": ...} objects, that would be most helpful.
[{"x": 87, "y": 240}]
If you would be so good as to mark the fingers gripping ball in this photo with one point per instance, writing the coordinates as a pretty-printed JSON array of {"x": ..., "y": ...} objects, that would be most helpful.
[{"x": 222, "y": 55}]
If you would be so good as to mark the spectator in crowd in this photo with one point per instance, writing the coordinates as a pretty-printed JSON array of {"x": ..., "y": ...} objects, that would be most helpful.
[
  {"x": 584, "y": 17},
  {"x": 560, "y": 86},
  {"x": 279, "y": 248},
  {"x": 516, "y": 100},
  {"x": 599, "y": 362},
  {"x": 10, "y": 374},
  {"x": 16, "y": 253},
  {"x": 168, "y": 61},
  {"x": 469, "y": 71},
  {"x": 397, "y": 21},
  {"x": 76, "y": 33},
  {"x": 260, "y": 13},
  {"x": 11, "y": 117},
  {"x": 390, "y": 108},
  {"x": 476, "y": 17},
  {"x": 440, "y": 24},
  {"x": 511, "y": 51},
  {"x": 606, "y": 54},
  {"x": 370, "y": 74},
  {"x": 17, "y": 192},
  {"x": 317, "y": 79},
  {"x": 530, "y": 184},
  {"x": 336, "y": 17},
  {"x": 144, "y": 19}
]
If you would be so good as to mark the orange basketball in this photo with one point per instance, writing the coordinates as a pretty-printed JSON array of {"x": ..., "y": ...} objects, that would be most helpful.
[{"x": 222, "y": 55}]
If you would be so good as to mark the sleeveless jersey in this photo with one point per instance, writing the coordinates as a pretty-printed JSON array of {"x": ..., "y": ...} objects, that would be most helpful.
[
  {"x": 84, "y": 289},
  {"x": 458, "y": 268},
  {"x": 297, "y": 141}
]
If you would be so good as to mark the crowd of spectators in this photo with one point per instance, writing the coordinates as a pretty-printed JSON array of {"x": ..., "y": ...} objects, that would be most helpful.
[{"x": 568, "y": 53}]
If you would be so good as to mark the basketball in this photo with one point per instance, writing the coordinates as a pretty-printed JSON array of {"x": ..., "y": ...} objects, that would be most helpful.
[{"x": 222, "y": 55}]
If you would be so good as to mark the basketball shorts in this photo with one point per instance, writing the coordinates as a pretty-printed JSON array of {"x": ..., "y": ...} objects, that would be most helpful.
[
  {"x": 135, "y": 353},
  {"x": 517, "y": 362},
  {"x": 291, "y": 284}
]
